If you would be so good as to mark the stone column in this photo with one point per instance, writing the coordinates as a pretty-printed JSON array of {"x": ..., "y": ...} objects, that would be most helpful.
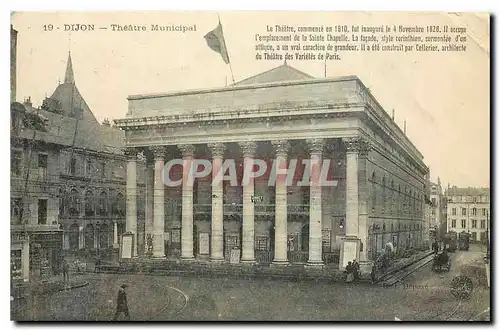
[
  {"x": 281, "y": 217},
  {"x": 115, "y": 235},
  {"x": 187, "y": 203},
  {"x": 131, "y": 192},
  {"x": 315, "y": 204},
  {"x": 159, "y": 202},
  {"x": 149, "y": 205},
  {"x": 248, "y": 228},
  {"x": 351, "y": 242},
  {"x": 217, "y": 228}
]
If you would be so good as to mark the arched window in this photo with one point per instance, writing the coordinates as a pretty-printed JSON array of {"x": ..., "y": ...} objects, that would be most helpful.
[
  {"x": 74, "y": 202},
  {"x": 102, "y": 209},
  {"x": 89, "y": 204},
  {"x": 103, "y": 236},
  {"x": 119, "y": 206},
  {"x": 73, "y": 237},
  {"x": 62, "y": 203},
  {"x": 384, "y": 197},
  {"x": 89, "y": 236},
  {"x": 374, "y": 193}
]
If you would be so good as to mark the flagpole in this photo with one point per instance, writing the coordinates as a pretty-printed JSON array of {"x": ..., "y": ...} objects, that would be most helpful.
[
  {"x": 230, "y": 66},
  {"x": 231, "y": 69}
]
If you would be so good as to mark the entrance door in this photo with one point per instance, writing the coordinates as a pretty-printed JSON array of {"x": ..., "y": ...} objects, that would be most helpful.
[
  {"x": 304, "y": 238},
  {"x": 73, "y": 237},
  {"x": 195, "y": 240}
]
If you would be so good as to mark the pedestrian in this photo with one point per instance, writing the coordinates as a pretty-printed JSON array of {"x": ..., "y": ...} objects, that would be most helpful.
[
  {"x": 373, "y": 274},
  {"x": 121, "y": 303},
  {"x": 349, "y": 270},
  {"x": 65, "y": 271},
  {"x": 435, "y": 247},
  {"x": 355, "y": 267}
]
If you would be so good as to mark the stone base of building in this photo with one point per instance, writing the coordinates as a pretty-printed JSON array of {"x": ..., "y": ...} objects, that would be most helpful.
[
  {"x": 350, "y": 250},
  {"x": 283, "y": 263},
  {"x": 249, "y": 261},
  {"x": 314, "y": 264}
]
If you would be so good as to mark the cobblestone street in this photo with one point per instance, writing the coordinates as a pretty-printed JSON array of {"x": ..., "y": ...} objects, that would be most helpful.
[{"x": 423, "y": 296}]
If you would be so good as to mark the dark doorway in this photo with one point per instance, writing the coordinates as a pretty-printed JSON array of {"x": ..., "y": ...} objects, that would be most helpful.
[
  {"x": 195, "y": 240},
  {"x": 73, "y": 237},
  {"x": 304, "y": 238},
  {"x": 272, "y": 232},
  {"x": 89, "y": 236}
]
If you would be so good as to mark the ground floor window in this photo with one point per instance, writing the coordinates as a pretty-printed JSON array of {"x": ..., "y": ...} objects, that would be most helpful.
[
  {"x": 16, "y": 264},
  {"x": 73, "y": 237}
]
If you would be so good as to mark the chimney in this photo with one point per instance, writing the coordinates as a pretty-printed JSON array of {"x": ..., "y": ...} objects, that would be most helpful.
[
  {"x": 393, "y": 114},
  {"x": 105, "y": 122},
  {"x": 27, "y": 102},
  {"x": 13, "y": 62}
]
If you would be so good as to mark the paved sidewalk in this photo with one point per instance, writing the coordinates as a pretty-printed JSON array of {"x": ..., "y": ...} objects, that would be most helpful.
[
  {"x": 48, "y": 285},
  {"x": 206, "y": 269}
]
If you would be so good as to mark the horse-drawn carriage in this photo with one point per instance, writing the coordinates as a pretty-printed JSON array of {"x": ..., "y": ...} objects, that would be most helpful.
[
  {"x": 441, "y": 262},
  {"x": 450, "y": 241},
  {"x": 463, "y": 241}
]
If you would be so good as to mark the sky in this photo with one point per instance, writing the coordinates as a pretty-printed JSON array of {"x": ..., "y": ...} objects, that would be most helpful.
[{"x": 444, "y": 97}]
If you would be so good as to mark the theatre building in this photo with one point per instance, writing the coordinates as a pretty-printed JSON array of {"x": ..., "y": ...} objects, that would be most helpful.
[{"x": 280, "y": 115}]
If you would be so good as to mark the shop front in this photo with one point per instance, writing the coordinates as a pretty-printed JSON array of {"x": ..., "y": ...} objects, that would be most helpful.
[
  {"x": 19, "y": 257},
  {"x": 46, "y": 253}
]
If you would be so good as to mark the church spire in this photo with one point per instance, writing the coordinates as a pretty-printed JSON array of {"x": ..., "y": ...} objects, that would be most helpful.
[{"x": 69, "y": 77}]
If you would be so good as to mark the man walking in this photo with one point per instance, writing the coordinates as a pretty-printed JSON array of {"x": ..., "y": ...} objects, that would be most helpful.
[
  {"x": 65, "y": 272},
  {"x": 121, "y": 303}
]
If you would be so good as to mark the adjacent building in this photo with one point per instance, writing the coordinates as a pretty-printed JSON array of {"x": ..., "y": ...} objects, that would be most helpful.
[
  {"x": 92, "y": 173},
  {"x": 468, "y": 209},
  {"x": 281, "y": 114},
  {"x": 67, "y": 181},
  {"x": 438, "y": 208}
]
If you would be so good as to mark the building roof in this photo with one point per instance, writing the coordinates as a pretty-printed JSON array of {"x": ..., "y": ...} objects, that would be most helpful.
[
  {"x": 467, "y": 191},
  {"x": 283, "y": 73},
  {"x": 74, "y": 115}
]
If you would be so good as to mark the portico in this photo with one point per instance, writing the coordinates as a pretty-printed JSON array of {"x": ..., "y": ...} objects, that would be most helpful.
[{"x": 333, "y": 120}]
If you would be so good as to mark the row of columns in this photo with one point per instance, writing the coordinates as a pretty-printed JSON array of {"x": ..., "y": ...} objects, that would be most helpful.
[{"x": 155, "y": 211}]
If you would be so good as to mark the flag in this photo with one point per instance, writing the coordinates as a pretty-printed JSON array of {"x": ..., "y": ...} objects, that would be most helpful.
[{"x": 215, "y": 40}]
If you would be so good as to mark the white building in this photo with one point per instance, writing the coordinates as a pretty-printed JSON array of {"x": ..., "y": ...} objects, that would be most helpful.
[{"x": 468, "y": 210}]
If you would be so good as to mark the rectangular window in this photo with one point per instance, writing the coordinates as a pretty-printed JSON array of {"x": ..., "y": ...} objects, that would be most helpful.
[
  {"x": 464, "y": 224},
  {"x": 453, "y": 223},
  {"x": 433, "y": 212},
  {"x": 42, "y": 166},
  {"x": 454, "y": 211},
  {"x": 88, "y": 168},
  {"x": 72, "y": 166},
  {"x": 15, "y": 162},
  {"x": 474, "y": 211},
  {"x": 464, "y": 211},
  {"x": 474, "y": 224},
  {"x": 484, "y": 211},
  {"x": 103, "y": 170},
  {"x": 483, "y": 224},
  {"x": 15, "y": 210},
  {"x": 42, "y": 211},
  {"x": 433, "y": 201},
  {"x": 473, "y": 236}
]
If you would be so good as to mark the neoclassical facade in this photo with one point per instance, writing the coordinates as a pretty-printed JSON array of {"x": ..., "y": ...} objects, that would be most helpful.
[{"x": 280, "y": 115}]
